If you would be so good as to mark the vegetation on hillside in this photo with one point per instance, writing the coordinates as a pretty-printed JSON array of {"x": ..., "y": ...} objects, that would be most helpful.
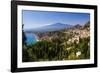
[{"x": 66, "y": 44}]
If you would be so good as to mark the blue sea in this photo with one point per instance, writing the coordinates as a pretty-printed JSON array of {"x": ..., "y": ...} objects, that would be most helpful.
[{"x": 31, "y": 38}]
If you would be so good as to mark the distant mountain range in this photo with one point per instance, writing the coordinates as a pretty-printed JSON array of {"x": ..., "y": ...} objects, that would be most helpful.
[{"x": 52, "y": 27}]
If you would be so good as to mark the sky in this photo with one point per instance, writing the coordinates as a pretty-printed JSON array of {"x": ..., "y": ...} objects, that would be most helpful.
[{"x": 35, "y": 19}]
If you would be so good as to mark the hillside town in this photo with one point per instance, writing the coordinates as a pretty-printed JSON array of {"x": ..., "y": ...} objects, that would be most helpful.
[{"x": 71, "y": 35}]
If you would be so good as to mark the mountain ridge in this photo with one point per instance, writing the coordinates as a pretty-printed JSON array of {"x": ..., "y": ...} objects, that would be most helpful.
[{"x": 52, "y": 27}]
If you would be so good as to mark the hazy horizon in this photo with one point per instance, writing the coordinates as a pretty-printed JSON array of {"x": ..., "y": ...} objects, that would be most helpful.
[{"x": 35, "y": 19}]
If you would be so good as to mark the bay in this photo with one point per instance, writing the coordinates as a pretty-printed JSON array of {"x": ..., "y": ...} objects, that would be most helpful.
[{"x": 30, "y": 38}]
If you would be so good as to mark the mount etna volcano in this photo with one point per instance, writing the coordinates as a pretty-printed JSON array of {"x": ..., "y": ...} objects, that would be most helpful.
[{"x": 51, "y": 27}]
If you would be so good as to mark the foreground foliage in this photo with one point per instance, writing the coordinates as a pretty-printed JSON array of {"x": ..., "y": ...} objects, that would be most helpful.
[{"x": 49, "y": 51}]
